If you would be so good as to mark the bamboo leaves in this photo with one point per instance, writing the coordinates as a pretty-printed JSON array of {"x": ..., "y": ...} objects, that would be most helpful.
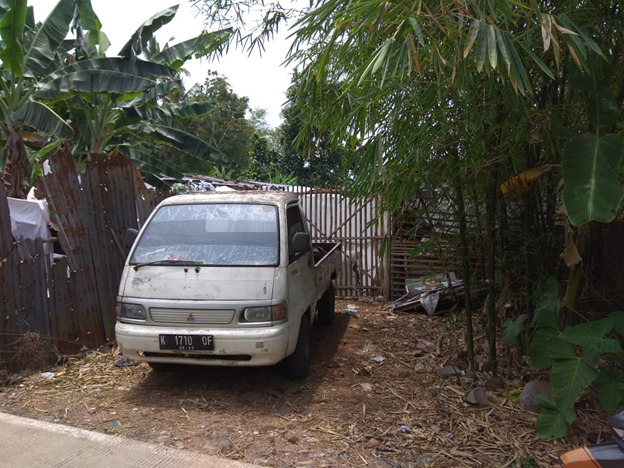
[
  {"x": 473, "y": 32},
  {"x": 492, "y": 43},
  {"x": 482, "y": 47}
]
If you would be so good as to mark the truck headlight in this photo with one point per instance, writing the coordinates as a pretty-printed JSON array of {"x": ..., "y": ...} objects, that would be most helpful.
[
  {"x": 132, "y": 311},
  {"x": 264, "y": 314}
]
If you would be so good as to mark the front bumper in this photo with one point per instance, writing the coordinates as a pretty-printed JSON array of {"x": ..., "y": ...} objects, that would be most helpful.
[{"x": 261, "y": 346}]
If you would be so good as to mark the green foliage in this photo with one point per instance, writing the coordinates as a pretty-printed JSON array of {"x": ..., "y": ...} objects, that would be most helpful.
[
  {"x": 396, "y": 82},
  {"x": 283, "y": 179},
  {"x": 592, "y": 173},
  {"x": 205, "y": 44},
  {"x": 578, "y": 356},
  {"x": 610, "y": 388},
  {"x": 570, "y": 375},
  {"x": 225, "y": 126},
  {"x": 547, "y": 308},
  {"x": 12, "y": 27},
  {"x": 591, "y": 335},
  {"x": 138, "y": 42},
  {"x": 512, "y": 328},
  {"x": 264, "y": 159},
  {"x": 553, "y": 422},
  {"x": 545, "y": 344},
  {"x": 110, "y": 102},
  {"x": 528, "y": 462},
  {"x": 224, "y": 173},
  {"x": 325, "y": 162},
  {"x": 27, "y": 53}
]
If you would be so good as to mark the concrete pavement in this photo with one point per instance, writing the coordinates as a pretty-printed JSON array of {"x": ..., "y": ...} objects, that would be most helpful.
[{"x": 31, "y": 443}]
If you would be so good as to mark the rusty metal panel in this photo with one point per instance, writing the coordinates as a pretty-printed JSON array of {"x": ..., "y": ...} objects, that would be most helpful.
[
  {"x": 92, "y": 215},
  {"x": 32, "y": 287},
  {"x": 7, "y": 308},
  {"x": 66, "y": 321},
  {"x": 23, "y": 292},
  {"x": 6, "y": 273},
  {"x": 71, "y": 302},
  {"x": 111, "y": 184},
  {"x": 74, "y": 217},
  {"x": 63, "y": 319},
  {"x": 6, "y": 237},
  {"x": 68, "y": 210}
]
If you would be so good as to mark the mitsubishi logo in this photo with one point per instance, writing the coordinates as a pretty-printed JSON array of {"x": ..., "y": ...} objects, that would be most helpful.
[{"x": 190, "y": 318}]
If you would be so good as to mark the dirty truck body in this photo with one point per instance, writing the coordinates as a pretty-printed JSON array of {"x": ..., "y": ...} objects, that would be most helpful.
[{"x": 225, "y": 279}]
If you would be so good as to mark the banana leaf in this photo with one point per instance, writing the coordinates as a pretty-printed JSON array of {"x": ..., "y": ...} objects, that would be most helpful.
[
  {"x": 182, "y": 141},
  {"x": 591, "y": 172},
  {"x": 12, "y": 27},
  {"x": 49, "y": 37},
  {"x": 43, "y": 119},
  {"x": 201, "y": 46},
  {"x": 169, "y": 112},
  {"x": 93, "y": 81},
  {"x": 162, "y": 88},
  {"x": 134, "y": 47},
  {"x": 140, "y": 68}
]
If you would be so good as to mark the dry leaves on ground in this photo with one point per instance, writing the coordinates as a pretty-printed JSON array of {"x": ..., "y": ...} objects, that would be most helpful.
[{"x": 373, "y": 398}]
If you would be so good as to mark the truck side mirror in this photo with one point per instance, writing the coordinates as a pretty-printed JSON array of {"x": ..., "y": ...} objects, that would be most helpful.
[
  {"x": 301, "y": 242},
  {"x": 129, "y": 238}
]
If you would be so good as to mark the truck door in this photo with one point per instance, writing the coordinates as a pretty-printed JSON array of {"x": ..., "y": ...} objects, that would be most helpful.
[{"x": 301, "y": 291}]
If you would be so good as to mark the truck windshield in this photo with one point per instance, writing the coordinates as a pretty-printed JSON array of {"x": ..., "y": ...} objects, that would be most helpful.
[{"x": 210, "y": 234}]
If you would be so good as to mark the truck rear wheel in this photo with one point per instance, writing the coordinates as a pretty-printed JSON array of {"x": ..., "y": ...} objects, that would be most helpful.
[
  {"x": 326, "y": 306},
  {"x": 298, "y": 363}
]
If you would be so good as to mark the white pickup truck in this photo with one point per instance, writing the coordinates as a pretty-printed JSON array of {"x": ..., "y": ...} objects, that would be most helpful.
[{"x": 225, "y": 279}]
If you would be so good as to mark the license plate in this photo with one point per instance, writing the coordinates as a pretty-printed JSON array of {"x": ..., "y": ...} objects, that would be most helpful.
[{"x": 187, "y": 342}]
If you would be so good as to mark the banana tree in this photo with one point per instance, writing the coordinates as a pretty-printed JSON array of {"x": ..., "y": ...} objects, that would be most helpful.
[
  {"x": 128, "y": 102},
  {"x": 27, "y": 53},
  {"x": 97, "y": 102}
]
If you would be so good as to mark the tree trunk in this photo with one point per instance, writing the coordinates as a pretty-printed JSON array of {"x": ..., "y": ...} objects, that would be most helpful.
[
  {"x": 467, "y": 271},
  {"x": 17, "y": 167},
  {"x": 490, "y": 206}
]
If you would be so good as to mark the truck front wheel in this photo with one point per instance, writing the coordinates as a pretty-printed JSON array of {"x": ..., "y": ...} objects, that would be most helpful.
[
  {"x": 326, "y": 306},
  {"x": 298, "y": 363}
]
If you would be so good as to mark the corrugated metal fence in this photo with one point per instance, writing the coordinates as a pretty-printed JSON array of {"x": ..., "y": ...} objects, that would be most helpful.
[{"x": 72, "y": 302}]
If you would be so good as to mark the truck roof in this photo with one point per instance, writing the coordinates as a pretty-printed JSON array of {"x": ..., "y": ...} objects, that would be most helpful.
[{"x": 253, "y": 196}]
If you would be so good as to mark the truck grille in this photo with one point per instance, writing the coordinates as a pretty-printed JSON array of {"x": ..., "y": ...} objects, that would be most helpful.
[{"x": 192, "y": 316}]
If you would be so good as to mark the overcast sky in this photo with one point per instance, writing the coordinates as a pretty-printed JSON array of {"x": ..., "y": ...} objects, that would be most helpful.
[{"x": 262, "y": 79}]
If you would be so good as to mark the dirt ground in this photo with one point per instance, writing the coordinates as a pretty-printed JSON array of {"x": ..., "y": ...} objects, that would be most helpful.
[{"x": 372, "y": 398}]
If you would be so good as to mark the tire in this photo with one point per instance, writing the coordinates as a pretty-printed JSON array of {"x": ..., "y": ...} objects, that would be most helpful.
[
  {"x": 298, "y": 363},
  {"x": 326, "y": 306}
]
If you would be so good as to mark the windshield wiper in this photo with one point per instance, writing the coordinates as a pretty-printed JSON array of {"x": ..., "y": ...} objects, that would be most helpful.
[{"x": 136, "y": 266}]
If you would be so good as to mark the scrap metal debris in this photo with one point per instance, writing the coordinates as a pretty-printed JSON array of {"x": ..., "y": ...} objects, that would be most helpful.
[{"x": 433, "y": 293}]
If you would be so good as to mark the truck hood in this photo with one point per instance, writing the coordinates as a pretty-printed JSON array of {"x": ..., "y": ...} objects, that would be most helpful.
[{"x": 203, "y": 283}]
